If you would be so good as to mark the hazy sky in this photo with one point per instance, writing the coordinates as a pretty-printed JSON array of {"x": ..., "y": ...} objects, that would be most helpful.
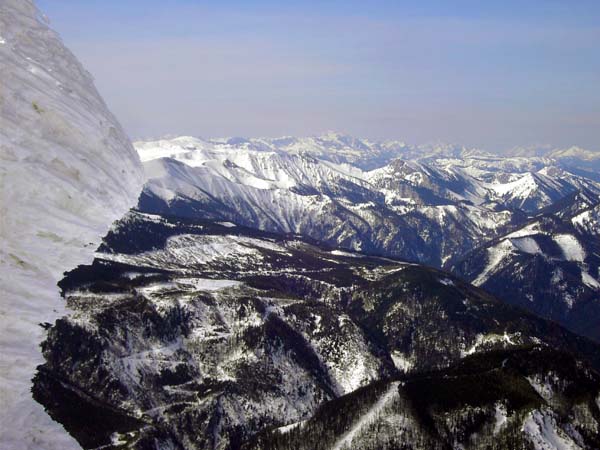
[{"x": 494, "y": 74}]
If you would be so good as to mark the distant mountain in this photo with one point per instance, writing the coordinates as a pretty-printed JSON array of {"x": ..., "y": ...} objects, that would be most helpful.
[
  {"x": 430, "y": 209},
  {"x": 572, "y": 157},
  {"x": 202, "y": 334},
  {"x": 575, "y": 153},
  {"x": 551, "y": 266}
]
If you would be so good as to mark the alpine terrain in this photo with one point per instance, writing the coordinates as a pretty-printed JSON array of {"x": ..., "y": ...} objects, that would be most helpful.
[
  {"x": 272, "y": 294},
  {"x": 306, "y": 293}
]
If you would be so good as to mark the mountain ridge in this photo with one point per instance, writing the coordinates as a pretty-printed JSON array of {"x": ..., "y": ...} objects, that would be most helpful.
[{"x": 206, "y": 333}]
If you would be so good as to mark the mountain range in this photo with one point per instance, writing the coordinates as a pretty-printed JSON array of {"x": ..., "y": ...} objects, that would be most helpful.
[
  {"x": 336, "y": 293},
  {"x": 324, "y": 292},
  {"x": 443, "y": 208},
  {"x": 189, "y": 333}
]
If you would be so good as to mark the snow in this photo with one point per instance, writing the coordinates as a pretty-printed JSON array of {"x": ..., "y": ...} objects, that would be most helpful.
[
  {"x": 207, "y": 284},
  {"x": 287, "y": 428},
  {"x": 527, "y": 245},
  {"x": 500, "y": 417},
  {"x": 187, "y": 250},
  {"x": 520, "y": 188},
  {"x": 320, "y": 187},
  {"x": 495, "y": 255},
  {"x": 575, "y": 152},
  {"x": 588, "y": 221},
  {"x": 541, "y": 430},
  {"x": 227, "y": 224},
  {"x": 253, "y": 168},
  {"x": 525, "y": 231},
  {"x": 570, "y": 246},
  {"x": 369, "y": 417},
  {"x": 487, "y": 339},
  {"x": 542, "y": 387},
  {"x": 348, "y": 254},
  {"x": 589, "y": 281},
  {"x": 401, "y": 362},
  {"x": 67, "y": 171}
]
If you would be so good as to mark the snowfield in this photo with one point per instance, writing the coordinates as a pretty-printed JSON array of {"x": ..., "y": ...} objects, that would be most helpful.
[
  {"x": 570, "y": 246},
  {"x": 68, "y": 171}
]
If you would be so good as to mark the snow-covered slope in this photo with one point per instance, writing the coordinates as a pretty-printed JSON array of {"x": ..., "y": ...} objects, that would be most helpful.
[
  {"x": 67, "y": 171},
  {"x": 195, "y": 334},
  {"x": 507, "y": 400},
  {"x": 431, "y": 209},
  {"x": 573, "y": 157},
  {"x": 551, "y": 266}
]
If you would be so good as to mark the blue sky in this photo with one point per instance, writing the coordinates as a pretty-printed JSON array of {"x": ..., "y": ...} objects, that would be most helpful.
[{"x": 482, "y": 73}]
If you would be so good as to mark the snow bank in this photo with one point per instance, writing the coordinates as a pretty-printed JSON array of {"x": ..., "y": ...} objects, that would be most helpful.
[{"x": 67, "y": 171}]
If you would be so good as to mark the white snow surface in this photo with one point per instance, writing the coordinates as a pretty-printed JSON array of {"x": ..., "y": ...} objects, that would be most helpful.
[
  {"x": 541, "y": 429},
  {"x": 527, "y": 245},
  {"x": 187, "y": 250},
  {"x": 495, "y": 256},
  {"x": 67, "y": 170},
  {"x": 490, "y": 339},
  {"x": 401, "y": 362},
  {"x": 589, "y": 280},
  {"x": 500, "y": 417},
  {"x": 588, "y": 221},
  {"x": 570, "y": 246},
  {"x": 348, "y": 254}
]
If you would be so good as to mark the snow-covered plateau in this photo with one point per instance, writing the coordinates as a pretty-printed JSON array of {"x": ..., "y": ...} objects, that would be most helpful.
[{"x": 67, "y": 171}]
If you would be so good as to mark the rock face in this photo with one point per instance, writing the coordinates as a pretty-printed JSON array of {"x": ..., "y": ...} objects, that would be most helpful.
[
  {"x": 551, "y": 266},
  {"x": 199, "y": 334},
  {"x": 67, "y": 171}
]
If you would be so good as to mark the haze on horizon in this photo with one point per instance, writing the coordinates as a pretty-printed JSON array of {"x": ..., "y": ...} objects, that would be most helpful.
[{"x": 494, "y": 75}]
